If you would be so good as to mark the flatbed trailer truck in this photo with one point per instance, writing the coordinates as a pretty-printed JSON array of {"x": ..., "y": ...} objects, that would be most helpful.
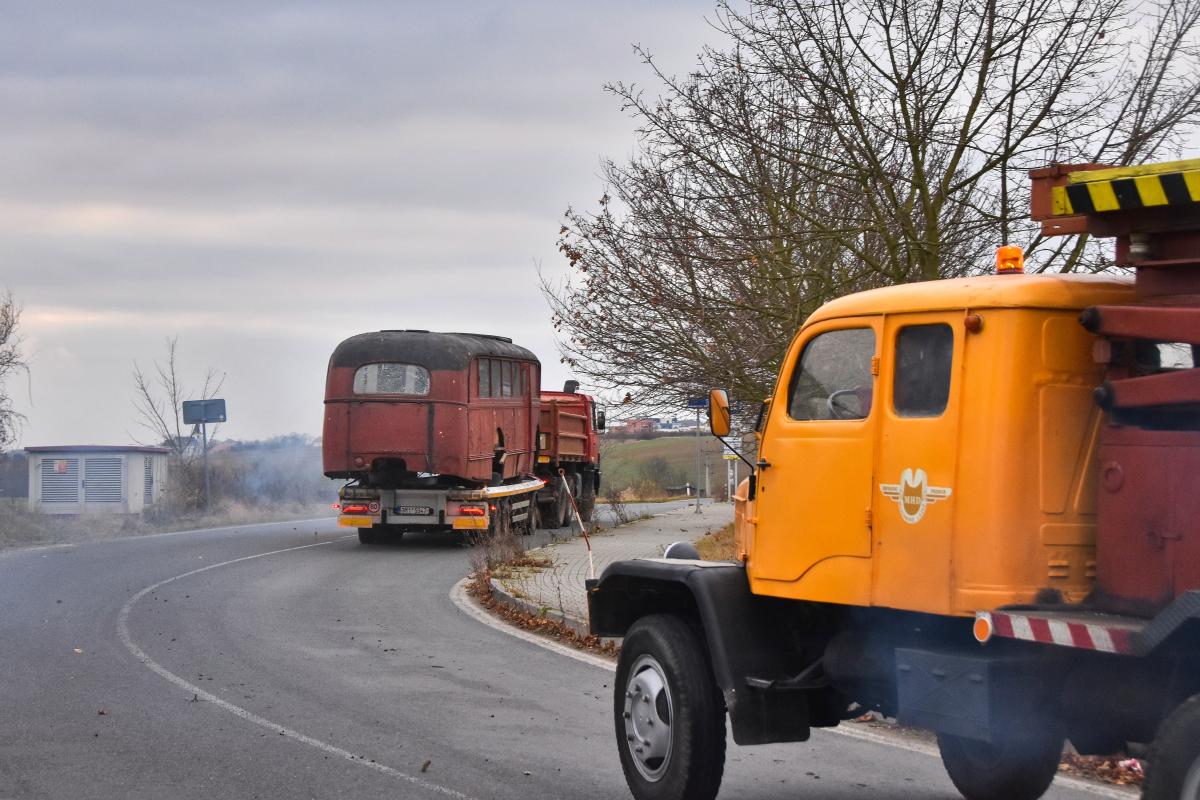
[
  {"x": 435, "y": 432},
  {"x": 975, "y": 507}
]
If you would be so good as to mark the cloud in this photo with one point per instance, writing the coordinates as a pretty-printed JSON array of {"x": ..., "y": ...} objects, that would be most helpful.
[{"x": 264, "y": 179}]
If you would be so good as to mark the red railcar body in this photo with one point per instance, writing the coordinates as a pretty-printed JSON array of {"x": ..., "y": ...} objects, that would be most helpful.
[{"x": 401, "y": 406}]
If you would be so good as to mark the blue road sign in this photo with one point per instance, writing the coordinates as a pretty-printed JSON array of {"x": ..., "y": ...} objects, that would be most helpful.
[{"x": 697, "y": 402}]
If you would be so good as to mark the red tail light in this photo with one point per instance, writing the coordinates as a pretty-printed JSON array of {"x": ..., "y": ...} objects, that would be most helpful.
[
  {"x": 472, "y": 511},
  {"x": 337, "y": 506},
  {"x": 355, "y": 508}
]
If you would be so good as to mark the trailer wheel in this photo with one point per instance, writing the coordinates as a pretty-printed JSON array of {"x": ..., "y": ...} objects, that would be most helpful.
[
  {"x": 1019, "y": 768},
  {"x": 1173, "y": 772},
  {"x": 668, "y": 713},
  {"x": 367, "y": 536}
]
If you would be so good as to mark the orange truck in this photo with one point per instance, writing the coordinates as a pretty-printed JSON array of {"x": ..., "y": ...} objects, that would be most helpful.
[
  {"x": 568, "y": 454},
  {"x": 975, "y": 507}
]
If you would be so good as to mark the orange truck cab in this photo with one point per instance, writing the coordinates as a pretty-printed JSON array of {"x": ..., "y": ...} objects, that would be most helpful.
[{"x": 975, "y": 507}]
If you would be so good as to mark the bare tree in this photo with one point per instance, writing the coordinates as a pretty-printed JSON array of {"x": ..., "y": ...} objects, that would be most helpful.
[
  {"x": 842, "y": 144},
  {"x": 159, "y": 396},
  {"x": 12, "y": 361}
]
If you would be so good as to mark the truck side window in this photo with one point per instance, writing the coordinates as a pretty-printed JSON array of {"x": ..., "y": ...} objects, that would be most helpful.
[
  {"x": 924, "y": 354},
  {"x": 833, "y": 379},
  {"x": 485, "y": 375}
]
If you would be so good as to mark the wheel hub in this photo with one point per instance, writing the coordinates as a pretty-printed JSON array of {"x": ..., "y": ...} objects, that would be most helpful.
[{"x": 648, "y": 716}]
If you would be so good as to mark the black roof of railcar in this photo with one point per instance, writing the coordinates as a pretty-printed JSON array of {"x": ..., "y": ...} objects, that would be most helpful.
[{"x": 425, "y": 348}]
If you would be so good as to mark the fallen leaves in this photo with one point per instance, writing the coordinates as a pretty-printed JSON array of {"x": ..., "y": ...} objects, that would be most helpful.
[{"x": 1109, "y": 769}]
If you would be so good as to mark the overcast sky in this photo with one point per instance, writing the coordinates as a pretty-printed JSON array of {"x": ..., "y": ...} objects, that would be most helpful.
[{"x": 264, "y": 179}]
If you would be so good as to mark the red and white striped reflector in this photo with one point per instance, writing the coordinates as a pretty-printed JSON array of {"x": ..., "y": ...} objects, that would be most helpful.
[{"x": 1049, "y": 628}]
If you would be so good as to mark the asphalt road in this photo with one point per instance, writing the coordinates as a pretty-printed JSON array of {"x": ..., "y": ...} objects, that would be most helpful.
[{"x": 288, "y": 661}]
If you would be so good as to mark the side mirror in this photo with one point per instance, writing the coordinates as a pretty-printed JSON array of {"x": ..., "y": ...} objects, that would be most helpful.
[
  {"x": 718, "y": 412},
  {"x": 600, "y": 420}
]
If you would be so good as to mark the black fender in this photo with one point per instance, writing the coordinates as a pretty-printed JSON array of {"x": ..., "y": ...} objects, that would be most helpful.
[
  {"x": 1181, "y": 615},
  {"x": 741, "y": 631}
]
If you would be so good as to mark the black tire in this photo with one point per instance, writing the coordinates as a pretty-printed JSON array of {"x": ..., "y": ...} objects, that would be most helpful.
[
  {"x": 1173, "y": 772},
  {"x": 562, "y": 507},
  {"x": 662, "y": 655},
  {"x": 587, "y": 496},
  {"x": 1020, "y": 768},
  {"x": 367, "y": 536}
]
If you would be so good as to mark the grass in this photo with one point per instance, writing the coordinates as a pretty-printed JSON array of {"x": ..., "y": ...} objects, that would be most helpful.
[{"x": 718, "y": 545}]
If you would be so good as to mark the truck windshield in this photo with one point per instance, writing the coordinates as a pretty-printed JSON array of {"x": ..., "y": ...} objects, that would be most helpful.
[
  {"x": 389, "y": 378},
  {"x": 833, "y": 379}
]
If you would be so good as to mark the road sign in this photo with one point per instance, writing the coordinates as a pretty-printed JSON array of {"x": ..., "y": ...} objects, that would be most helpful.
[
  {"x": 697, "y": 402},
  {"x": 198, "y": 411}
]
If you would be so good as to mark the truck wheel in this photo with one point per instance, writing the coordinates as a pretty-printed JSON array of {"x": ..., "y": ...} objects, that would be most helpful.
[
  {"x": 1019, "y": 768},
  {"x": 670, "y": 718},
  {"x": 1173, "y": 772},
  {"x": 587, "y": 497},
  {"x": 367, "y": 536},
  {"x": 562, "y": 508}
]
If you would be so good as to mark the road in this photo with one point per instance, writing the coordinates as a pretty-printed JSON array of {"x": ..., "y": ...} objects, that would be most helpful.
[{"x": 288, "y": 661}]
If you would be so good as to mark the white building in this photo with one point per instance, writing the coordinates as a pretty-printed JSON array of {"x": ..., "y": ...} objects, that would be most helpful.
[{"x": 86, "y": 479}]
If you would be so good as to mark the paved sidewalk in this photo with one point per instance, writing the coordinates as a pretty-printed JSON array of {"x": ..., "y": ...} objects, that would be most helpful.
[{"x": 558, "y": 591}]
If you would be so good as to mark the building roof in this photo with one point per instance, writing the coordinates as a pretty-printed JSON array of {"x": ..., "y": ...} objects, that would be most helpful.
[
  {"x": 447, "y": 351},
  {"x": 96, "y": 448},
  {"x": 983, "y": 291}
]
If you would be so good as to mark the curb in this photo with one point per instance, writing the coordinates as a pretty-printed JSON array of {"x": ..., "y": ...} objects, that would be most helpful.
[{"x": 506, "y": 598}]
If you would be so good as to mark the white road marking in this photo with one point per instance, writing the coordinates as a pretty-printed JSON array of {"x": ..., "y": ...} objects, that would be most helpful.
[
  {"x": 238, "y": 711},
  {"x": 460, "y": 598}
]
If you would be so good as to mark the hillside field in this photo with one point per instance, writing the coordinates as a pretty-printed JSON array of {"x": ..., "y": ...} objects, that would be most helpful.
[{"x": 667, "y": 460}]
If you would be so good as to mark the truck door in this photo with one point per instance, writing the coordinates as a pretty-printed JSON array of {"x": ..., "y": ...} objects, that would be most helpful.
[
  {"x": 813, "y": 498},
  {"x": 916, "y": 461}
]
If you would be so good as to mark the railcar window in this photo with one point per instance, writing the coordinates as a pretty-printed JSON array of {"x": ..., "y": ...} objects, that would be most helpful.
[
  {"x": 389, "y": 378},
  {"x": 485, "y": 377},
  {"x": 833, "y": 379},
  {"x": 924, "y": 353},
  {"x": 506, "y": 379},
  {"x": 497, "y": 380}
]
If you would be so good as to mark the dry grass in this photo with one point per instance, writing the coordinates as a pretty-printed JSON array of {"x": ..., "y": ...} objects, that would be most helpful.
[
  {"x": 718, "y": 545},
  {"x": 20, "y": 527}
]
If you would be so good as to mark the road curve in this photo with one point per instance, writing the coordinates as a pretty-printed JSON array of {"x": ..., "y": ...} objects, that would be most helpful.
[{"x": 286, "y": 660}]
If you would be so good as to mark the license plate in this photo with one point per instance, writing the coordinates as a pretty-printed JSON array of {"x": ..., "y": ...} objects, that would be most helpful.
[{"x": 414, "y": 511}]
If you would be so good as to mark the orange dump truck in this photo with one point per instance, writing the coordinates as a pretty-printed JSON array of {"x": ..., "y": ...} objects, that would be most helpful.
[{"x": 975, "y": 507}]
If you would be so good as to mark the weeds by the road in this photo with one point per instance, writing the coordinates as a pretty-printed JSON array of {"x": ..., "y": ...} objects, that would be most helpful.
[
  {"x": 480, "y": 587},
  {"x": 617, "y": 507},
  {"x": 718, "y": 545},
  {"x": 20, "y": 527}
]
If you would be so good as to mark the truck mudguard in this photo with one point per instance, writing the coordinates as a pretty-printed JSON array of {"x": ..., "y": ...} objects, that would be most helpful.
[
  {"x": 741, "y": 640},
  {"x": 1182, "y": 611}
]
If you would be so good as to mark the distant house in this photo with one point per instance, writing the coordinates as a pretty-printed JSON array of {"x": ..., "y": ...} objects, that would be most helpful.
[{"x": 77, "y": 479}]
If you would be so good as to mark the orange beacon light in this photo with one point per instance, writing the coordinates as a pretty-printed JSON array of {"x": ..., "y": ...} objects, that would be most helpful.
[{"x": 1010, "y": 260}]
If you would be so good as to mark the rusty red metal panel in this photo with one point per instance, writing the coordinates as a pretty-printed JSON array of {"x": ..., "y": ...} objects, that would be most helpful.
[
  {"x": 1148, "y": 542},
  {"x": 1160, "y": 323}
]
